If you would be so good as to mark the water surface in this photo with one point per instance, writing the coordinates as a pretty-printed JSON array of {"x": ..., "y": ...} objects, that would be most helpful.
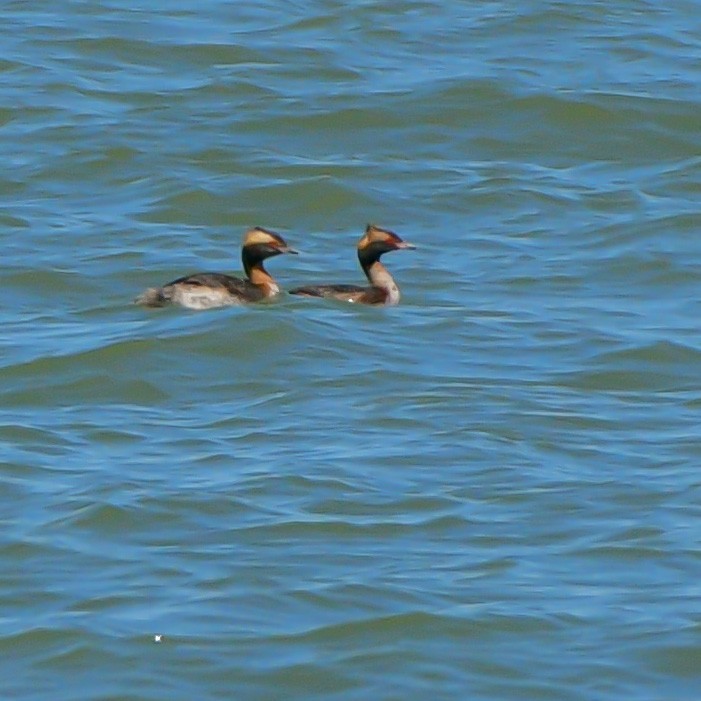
[{"x": 489, "y": 491}]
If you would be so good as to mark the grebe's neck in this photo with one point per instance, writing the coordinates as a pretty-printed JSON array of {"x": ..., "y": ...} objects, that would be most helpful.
[
  {"x": 256, "y": 273},
  {"x": 261, "y": 278},
  {"x": 380, "y": 277}
]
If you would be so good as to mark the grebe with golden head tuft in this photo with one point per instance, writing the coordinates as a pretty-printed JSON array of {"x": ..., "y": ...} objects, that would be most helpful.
[
  {"x": 383, "y": 289},
  {"x": 210, "y": 290}
]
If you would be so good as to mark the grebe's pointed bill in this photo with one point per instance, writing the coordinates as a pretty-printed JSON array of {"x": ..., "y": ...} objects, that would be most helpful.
[{"x": 399, "y": 245}]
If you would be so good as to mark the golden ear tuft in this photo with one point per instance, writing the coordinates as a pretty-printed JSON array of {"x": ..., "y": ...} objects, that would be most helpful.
[{"x": 259, "y": 235}]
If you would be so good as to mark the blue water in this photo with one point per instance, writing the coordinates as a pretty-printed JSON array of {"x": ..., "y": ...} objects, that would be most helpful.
[{"x": 487, "y": 492}]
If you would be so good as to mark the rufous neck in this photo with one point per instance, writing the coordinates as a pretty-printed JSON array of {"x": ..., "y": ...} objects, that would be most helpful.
[
  {"x": 260, "y": 277},
  {"x": 380, "y": 277}
]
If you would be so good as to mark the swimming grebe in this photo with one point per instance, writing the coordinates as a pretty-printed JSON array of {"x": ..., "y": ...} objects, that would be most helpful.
[
  {"x": 383, "y": 289},
  {"x": 208, "y": 290}
]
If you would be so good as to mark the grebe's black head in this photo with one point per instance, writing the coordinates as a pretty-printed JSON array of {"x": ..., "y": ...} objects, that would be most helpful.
[
  {"x": 377, "y": 241},
  {"x": 260, "y": 243}
]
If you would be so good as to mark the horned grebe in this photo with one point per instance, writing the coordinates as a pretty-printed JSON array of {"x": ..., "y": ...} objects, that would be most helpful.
[
  {"x": 383, "y": 289},
  {"x": 208, "y": 290}
]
